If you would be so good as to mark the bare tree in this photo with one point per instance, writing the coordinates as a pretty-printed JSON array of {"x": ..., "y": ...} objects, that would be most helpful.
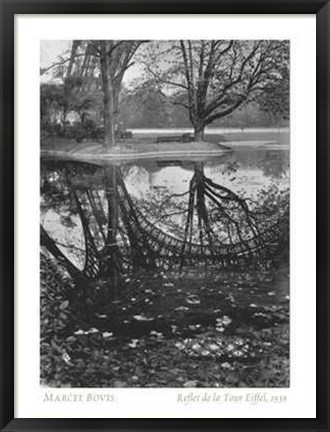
[{"x": 213, "y": 78}]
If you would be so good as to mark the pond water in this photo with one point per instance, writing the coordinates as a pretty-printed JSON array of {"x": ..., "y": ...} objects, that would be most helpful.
[
  {"x": 174, "y": 248},
  {"x": 160, "y": 189},
  {"x": 246, "y": 171}
]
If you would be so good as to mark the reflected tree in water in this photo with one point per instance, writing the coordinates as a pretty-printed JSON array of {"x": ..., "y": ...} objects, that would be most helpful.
[
  {"x": 225, "y": 221},
  {"x": 217, "y": 226}
]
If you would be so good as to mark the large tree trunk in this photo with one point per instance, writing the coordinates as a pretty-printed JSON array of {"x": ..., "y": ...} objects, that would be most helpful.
[
  {"x": 108, "y": 96},
  {"x": 199, "y": 132}
]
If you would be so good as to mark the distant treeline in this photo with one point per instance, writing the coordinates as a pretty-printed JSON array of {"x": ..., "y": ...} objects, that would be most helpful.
[{"x": 154, "y": 110}]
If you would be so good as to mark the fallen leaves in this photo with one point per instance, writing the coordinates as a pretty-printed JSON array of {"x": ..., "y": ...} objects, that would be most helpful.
[
  {"x": 64, "y": 305},
  {"x": 188, "y": 335},
  {"x": 133, "y": 343}
]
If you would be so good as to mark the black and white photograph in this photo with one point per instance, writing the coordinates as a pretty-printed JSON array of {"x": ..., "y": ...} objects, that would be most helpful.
[{"x": 164, "y": 213}]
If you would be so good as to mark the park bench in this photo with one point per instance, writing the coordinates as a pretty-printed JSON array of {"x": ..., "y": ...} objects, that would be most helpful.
[
  {"x": 123, "y": 134},
  {"x": 165, "y": 139},
  {"x": 186, "y": 137}
]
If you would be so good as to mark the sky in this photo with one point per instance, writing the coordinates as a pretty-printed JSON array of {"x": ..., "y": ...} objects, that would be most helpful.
[{"x": 51, "y": 49}]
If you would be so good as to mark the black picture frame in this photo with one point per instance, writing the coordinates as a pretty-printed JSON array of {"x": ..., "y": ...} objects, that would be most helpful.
[{"x": 8, "y": 10}]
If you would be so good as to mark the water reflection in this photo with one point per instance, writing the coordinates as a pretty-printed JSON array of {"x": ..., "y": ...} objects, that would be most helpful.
[
  {"x": 106, "y": 222},
  {"x": 246, "y": 171},
  {"x": 182, "y": 261}
]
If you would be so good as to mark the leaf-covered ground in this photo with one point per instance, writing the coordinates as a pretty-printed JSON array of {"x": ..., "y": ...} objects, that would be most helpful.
[{"x": 191, "y": 329}]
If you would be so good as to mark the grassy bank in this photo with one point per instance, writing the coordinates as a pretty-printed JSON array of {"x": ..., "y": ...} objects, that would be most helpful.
[
  {"x": 137, "y": 146},
  {"x": 145, "y": 143}
]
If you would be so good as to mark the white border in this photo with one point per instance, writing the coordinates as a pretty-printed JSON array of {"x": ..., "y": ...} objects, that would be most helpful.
[{"x": 29, "y": 30}]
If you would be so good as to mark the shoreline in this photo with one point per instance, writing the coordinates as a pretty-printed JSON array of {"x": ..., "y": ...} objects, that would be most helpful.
[
  {"x": 130, "y": 149},
  {"x": 128, "y": 155},
  {"x": 145, "y": 146},
  {"x": 211, "y": 130}
]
